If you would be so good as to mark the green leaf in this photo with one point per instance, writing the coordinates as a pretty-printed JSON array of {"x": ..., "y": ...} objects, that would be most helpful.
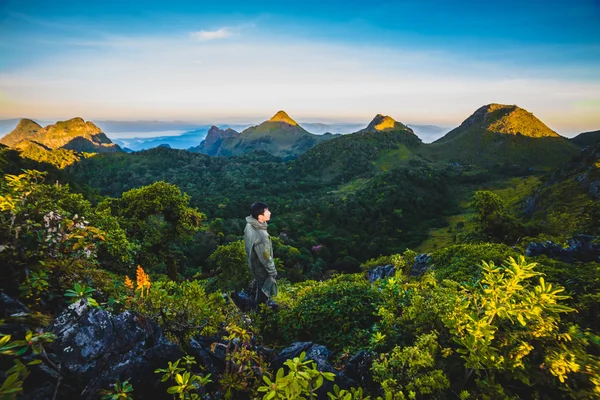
[{"x": 173, "y": 390}]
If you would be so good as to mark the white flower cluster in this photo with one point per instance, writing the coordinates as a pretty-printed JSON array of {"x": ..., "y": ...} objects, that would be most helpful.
[{"x": 53, "y": 224}]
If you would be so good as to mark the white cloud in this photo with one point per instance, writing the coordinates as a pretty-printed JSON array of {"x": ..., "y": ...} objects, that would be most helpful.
[{"x": 204, "y": 36}]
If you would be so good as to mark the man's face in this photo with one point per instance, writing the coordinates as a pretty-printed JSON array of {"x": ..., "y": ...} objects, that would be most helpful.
[{"x": 266, "y": 216}]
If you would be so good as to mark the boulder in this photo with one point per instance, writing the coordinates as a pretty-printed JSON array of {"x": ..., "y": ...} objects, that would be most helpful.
[
  {"x": 580, "y": 248},
  {"x": 14, "y": 313},
  {"x": 94, "y": 348},
  {"x": 358, "y": 369},
  {"x": 244, "y": 301},
  {"x": 381, "y": 272},
  {"x": 421, "y": 265},
  {"x": 210, "y": 353},
  {"x": 289, "y": 352},
  {"x": 10, "y": 306}
]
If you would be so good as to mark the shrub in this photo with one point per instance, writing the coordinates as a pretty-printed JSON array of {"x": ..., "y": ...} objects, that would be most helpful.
[
  {"x": 231, "y": 264},
  {"x": 183, "y": 309},
  {"x": 462, "y": 263},
  {"x": 336, "y": 313}
]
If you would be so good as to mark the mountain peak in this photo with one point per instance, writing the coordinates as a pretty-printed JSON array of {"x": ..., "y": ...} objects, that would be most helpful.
[
  {"x": 76, "y": 124},
  {"x": 509, "y": 120},
  {"x": 27, "y": 123},
  {"x": 25, "y": 130},
  {"x": 73, "y": 134},
  {"x": 282, "y": 116},
  {"x": 382, "y": 123}
]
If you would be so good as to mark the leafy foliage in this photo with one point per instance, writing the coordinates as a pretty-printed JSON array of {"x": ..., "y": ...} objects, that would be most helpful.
[
  {"x": 338, "y": 312},
  {"x": 231, "y": 265},
  {"x": 462, "y": 263},
  {"x": 184, "y": 310},
  {"x": 490, "y": 335},
  {"x": 159, "y": 219},
  {"x": 16, "y": 375},
  {"x": 301, "y": 382},
  {"x": 121, "y": 390}
]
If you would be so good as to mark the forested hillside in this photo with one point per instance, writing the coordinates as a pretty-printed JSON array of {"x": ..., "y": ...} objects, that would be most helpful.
[{"x": 124, "y": 274}]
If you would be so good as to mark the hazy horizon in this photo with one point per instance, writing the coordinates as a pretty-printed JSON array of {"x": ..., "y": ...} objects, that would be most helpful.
[{"x": 427, "y": 62}]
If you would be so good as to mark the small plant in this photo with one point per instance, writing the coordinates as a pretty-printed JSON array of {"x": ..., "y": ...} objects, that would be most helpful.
[
  {"x": 378, "y": 339},
  {"x": 302, "y": 380},
  {"x": 36, "y": 283},
  {"x": 81, "y": 291},
  {"x": 120, "y": 390},
  {"x": 143, "y": 281},
  {"x": 244, "y": 366},
  {"x": 187, "y": 384},
  {"x": 15, "y": 376},
  {"x": 170, "y": 372},
  {"x": 352, "y": 394}
]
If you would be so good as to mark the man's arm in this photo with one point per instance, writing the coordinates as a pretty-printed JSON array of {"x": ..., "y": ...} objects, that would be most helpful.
[{"x": 263, "y": 251}]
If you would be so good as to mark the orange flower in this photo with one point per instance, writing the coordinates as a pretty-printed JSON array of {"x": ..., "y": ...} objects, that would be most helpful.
[
  {"x": 143, "y": 280},
  {"x": 128, "y": 283}
]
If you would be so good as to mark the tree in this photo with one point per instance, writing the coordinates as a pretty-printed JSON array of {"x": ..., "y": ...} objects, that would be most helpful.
[
  {"x": 231, "y": 265},
  {"x": 495, "y": 221},
  {"x": 159, "y": 219}
]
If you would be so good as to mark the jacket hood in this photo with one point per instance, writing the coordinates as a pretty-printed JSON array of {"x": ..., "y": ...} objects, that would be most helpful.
[{"x": 255, "y": 224}]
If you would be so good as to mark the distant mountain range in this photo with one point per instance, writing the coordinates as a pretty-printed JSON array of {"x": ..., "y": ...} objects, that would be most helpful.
[
  {"x": 280, "y": 136},
  {"x": 495, "y": 135},
  {"x": 143, "y": 135}
]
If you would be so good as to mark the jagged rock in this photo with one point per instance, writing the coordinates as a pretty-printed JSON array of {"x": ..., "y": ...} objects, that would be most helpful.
[
  {"x": 358, "y": 369},
  {"x": 210, "y": 352},
  {"x": 15, "y": 315},
  {"x": 95, "y": 348},
  {"x": 290, "y": 352},
  {"x": 381, "y": 272},
  {"x": 581, "y": 248},
  {"x": 320, "y": 355},
  {"x": 243, "y": 300},
  {"x": 421, "y": 265},
  {"x": 10, "y": 306}
]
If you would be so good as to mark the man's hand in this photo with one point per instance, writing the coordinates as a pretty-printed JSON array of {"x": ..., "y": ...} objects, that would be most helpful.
[{"x": 273, "y": 275}]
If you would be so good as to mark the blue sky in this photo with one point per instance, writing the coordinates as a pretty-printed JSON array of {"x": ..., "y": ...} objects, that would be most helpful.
[{"x": 217, "y": 62}]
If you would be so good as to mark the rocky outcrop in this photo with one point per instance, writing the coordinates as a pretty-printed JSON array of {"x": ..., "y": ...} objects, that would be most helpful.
[
  {"x": 215, "y": 137},
  {"x": 74, "y": 134},
  {"x": 381, "y": 272},
  {"x": 421, "y": 265},
  {"x": 358, "y": 369},
  {"x": 583, "y": 248},
  {"x": 94, "y": 348}
]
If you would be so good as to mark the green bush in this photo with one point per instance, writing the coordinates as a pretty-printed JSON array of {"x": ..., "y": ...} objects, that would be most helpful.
[
  {"x": 462, "y": 263},
  {"x": 231, "y": 264},
  {"x": 337, "y": 313},
  {"x": 183, "y": 309},
  {"x": 582, "y": 283}
]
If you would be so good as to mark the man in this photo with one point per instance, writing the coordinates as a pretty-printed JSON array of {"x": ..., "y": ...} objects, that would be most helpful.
[{"x": 260, "y": 252}]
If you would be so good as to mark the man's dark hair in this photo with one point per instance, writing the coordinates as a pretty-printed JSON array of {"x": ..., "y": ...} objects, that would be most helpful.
[{"x": 257, "y": 209}]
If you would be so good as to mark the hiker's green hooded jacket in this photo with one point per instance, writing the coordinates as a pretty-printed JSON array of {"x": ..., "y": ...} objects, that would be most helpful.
[{"x": 260, "y": 255}]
